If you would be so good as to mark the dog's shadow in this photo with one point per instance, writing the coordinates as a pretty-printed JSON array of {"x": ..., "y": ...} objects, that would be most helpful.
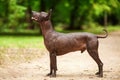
[
  {"x": 76, "y": 75},
  {"x": 83, "y": 75}
]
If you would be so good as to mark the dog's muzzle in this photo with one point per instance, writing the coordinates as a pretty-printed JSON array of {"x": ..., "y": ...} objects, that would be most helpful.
[{"x": 33, "y": 18}]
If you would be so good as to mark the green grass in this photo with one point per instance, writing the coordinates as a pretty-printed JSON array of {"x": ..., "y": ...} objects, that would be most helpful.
[
  {"x": 98, "y": 30},
  {"x": 95, "y": 30},
  {"x": 21, "y": 42}
]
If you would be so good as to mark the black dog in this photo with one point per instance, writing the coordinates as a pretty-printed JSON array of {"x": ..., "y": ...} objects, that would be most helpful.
[{"x": 59, "y": 43}]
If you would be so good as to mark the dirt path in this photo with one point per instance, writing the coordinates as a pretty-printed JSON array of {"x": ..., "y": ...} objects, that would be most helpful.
[{"x": 73, "y": 66}]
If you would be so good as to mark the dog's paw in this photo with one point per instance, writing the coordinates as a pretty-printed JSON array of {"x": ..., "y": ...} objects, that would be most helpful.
[
  {"x": 51, "y": 75},
  {"x": 97, "y": 73}
]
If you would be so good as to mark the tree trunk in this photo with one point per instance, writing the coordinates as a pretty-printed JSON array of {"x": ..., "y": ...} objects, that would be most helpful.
[
  {"x": 42, "y": 5},
  {"x": 73, "y": 15},
  {"x": 29, "y": 20},
  {"x": 105, "y": 19},
  {"x": 6, "y": 11},
  {"x": 72, "y": 20}
]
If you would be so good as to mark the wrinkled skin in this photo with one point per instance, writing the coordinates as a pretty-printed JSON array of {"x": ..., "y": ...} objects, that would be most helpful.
[{"x": 60, "y": 43}]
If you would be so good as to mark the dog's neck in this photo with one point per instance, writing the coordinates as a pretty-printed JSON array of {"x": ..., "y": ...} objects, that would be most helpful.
[{"x": 46, "y": 27}]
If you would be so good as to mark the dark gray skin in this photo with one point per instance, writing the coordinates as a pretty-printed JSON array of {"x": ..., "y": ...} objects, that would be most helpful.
[{"x": 60, "y": 43}]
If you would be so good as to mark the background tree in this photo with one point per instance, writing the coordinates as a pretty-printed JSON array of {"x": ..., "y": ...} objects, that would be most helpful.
[
  {"x": 16, "y": 14},
  {"x": 74, "y": 14}
]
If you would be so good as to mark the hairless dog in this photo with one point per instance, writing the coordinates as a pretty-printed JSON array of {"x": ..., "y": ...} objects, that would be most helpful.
[{"x": 60, "y": 43}]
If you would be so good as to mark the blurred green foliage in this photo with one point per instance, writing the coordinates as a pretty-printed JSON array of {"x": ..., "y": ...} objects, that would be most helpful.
[{"x": 15, "y": 15}]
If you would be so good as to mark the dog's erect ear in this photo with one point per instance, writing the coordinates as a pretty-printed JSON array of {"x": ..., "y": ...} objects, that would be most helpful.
[{"x": 49, "y": 14}]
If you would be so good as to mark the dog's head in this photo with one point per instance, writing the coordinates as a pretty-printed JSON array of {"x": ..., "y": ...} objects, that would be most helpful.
[{"x": 41, "y": 16}]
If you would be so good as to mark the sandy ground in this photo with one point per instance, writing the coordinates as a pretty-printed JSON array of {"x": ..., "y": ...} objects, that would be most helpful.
[{"x": 72, "y": 66}]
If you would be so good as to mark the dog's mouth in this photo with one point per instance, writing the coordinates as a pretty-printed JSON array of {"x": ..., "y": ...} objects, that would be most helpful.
[{"x": 33, "y": 18}]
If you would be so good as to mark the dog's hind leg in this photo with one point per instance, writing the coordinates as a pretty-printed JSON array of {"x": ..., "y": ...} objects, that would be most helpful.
[
  {"x": 93, "y": 52},
  {"x": 94, "y": 55}
]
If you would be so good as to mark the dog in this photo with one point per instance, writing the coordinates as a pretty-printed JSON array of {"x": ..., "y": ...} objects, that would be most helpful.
[{"x": 59, "y": 43}]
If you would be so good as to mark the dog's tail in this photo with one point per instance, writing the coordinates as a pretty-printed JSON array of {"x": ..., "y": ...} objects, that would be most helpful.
[{"x": 106, "y": 34}]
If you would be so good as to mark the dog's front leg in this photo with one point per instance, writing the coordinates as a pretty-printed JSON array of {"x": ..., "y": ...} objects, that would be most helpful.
[{"x": 53, "y": 65}]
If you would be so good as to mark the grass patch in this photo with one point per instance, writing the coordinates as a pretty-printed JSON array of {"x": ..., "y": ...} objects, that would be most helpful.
[
  {"x": 21, "y": 42},
  {"x": 15, "y": 49},
  {"x": 95, "y": 30},
  {"x": 113, "y": 28},
  {"x": 19, "y": 55}
]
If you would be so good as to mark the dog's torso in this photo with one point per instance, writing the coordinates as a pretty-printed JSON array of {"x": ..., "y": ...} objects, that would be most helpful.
[{"x": 62, "y": 43}]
